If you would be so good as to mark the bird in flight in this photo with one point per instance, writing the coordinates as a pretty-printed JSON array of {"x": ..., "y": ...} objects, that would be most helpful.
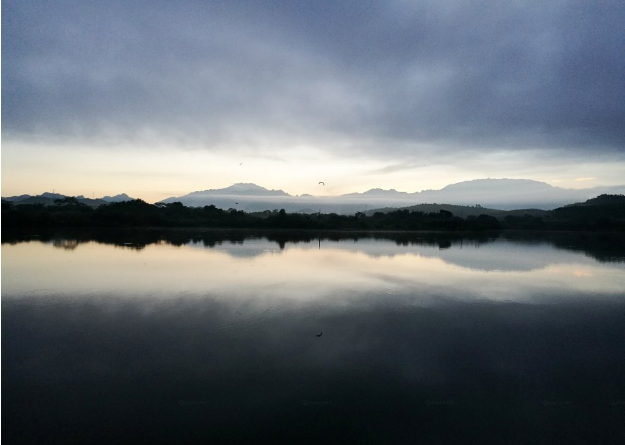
[
  {"x": 319, "y": 334},
  {"x": 321, "y": 182}
]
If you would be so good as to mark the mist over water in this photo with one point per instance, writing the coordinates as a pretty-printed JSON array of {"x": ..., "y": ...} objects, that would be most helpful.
[{"x": 209, "y": 336}]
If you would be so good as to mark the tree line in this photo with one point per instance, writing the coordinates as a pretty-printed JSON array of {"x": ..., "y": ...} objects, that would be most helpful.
[{"x": 605, "y": 213}]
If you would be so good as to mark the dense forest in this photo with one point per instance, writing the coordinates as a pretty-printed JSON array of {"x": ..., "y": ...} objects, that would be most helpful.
[{"x": 604, "y": 213}]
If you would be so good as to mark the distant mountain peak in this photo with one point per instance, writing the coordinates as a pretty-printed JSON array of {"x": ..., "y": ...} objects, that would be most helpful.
[
  {"x": 117, "y": 198},
  {"x": 242, "y": 188},
  {"x": 246, "y": 186},
  {"x": 52, "y": 195},
  {"x": 378, "y": 192},
  {"x": 489, "y": 183}
]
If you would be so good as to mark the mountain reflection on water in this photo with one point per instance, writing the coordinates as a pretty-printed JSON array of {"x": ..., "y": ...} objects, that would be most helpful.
[{"x": 427, "y": 338}]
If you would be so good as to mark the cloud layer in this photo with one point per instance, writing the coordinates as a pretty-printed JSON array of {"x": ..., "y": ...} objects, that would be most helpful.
[{"x": 383, "y": 78}]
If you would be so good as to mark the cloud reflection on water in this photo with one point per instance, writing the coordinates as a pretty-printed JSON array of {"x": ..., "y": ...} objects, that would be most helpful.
[{"x": 332, "y": 270}]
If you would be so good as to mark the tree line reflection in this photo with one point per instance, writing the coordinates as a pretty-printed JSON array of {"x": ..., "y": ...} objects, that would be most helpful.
[{"x": 603, "y": 247}]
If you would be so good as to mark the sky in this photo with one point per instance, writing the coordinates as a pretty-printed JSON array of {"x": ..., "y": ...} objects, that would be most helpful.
[{"x": 160, "y": 98}]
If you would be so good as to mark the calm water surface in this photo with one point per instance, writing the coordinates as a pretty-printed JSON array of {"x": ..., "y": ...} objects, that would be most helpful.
[{"x": 230, "y": 337}]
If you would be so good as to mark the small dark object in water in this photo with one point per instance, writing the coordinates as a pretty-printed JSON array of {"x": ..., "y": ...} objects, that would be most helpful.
[{"x": 319, "y": 334}]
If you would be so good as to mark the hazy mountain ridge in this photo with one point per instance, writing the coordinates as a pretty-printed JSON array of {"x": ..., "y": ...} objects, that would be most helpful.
[
  {"x": 379, "y": 192},
  {"x": 240, "y": 189},
  {"x": 48, "y": 199},
  {"x": 117, "y": 198},
  {"x": 493, "y": 194},
  {"x": 480, "y": 196}
]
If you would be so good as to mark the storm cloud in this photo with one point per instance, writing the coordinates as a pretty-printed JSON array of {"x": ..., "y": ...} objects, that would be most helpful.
[{"x": 378, "y": 77}]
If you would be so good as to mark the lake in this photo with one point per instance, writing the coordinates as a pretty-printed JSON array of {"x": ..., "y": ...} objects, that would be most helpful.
[{"x": 225, "y": 336}]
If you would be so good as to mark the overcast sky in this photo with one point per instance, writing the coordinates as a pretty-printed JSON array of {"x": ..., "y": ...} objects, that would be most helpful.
[{"x": 160, "y": 98}]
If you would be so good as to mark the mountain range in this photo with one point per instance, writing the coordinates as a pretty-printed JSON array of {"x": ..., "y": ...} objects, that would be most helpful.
[
  {"x": 503, "y": 194},
  {"x": 48, "y": 198}
]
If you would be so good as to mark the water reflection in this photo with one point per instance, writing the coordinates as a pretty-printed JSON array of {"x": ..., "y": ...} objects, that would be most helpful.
[
  {"x": 609, "y": 247},
  {"x": 204, "y": 337},
  {"x": 382, "y": 371},
  {"x": 306, "y": 269}
]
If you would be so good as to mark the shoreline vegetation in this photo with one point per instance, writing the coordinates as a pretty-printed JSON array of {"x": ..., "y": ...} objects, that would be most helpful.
[{"x": 604, "y": 213}]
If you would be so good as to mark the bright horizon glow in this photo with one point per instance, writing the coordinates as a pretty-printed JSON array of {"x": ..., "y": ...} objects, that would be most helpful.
[{"x": 29, "y": 168}]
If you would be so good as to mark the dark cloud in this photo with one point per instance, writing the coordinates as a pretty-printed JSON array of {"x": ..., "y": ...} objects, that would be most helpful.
[{"x": 383, "y": 76}]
